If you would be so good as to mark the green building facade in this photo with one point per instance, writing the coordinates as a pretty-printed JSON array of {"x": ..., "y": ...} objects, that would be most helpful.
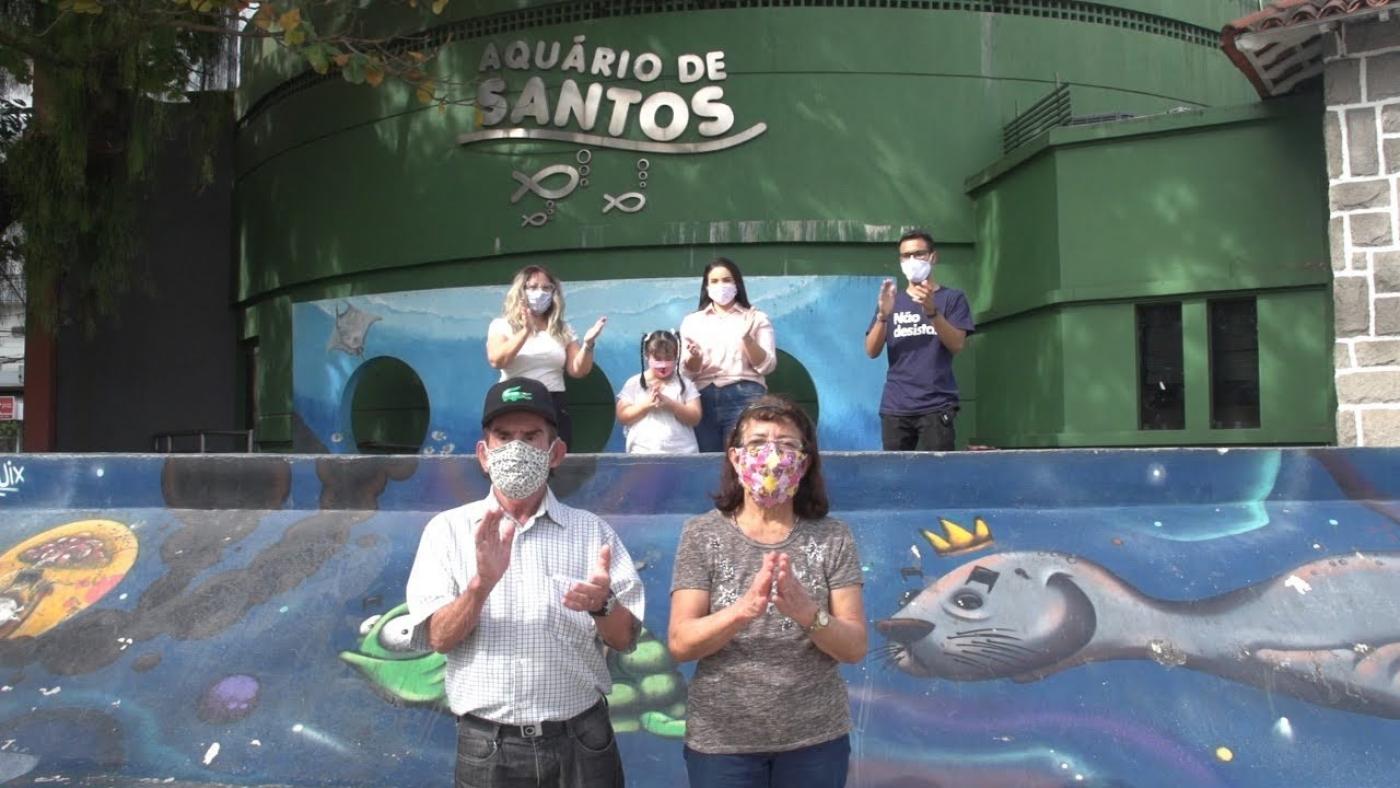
[{"x": 1148, "y": 268}]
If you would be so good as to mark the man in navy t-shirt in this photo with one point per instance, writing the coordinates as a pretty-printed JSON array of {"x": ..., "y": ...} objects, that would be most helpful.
[{"x": 923, "y": 327}]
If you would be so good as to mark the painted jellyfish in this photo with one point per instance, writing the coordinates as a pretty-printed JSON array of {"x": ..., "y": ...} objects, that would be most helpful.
[{"x": 229, "y": 699}]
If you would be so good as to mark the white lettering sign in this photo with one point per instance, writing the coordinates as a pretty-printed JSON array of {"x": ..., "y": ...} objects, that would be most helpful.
[{"x": 574, "y": 111}]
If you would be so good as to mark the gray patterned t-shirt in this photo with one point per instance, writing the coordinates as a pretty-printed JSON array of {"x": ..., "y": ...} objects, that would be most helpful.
[{"x": 770, "y": 689}]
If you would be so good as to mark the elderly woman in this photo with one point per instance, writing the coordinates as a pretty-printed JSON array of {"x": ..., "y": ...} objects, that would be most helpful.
[
  {"x": 729, "y": 351},
  {"x": 531, "y": 339},
  {"x": 767, "y": 596}
]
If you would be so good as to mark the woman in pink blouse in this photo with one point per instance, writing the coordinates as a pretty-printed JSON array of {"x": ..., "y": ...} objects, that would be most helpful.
[{"x": 729, "y": 349}]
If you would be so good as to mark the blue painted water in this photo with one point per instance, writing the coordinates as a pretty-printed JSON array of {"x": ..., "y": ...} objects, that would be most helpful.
[{"x": 278, "y": 590}]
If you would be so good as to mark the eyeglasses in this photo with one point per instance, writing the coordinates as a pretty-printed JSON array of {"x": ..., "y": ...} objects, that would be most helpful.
[
  {"x": 783, "y": 444},
  {"x": 923, "y": 254}
]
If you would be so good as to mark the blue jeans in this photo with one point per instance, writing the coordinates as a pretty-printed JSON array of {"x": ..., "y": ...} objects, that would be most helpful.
[
  {"x": 720, "y": 409},
  {"x": 819, "y": 766}
]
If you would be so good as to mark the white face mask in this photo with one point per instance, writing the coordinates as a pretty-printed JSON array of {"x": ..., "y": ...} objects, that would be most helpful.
[
  {"x": 722, "y": 293},
  {"x": 518, "y": 469},
  {"x": 539, "y": 300},
  {"x": 916, "y": 269}
]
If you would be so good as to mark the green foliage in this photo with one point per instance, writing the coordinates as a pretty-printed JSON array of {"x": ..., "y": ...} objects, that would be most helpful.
[{"x": 104, "y": 75}]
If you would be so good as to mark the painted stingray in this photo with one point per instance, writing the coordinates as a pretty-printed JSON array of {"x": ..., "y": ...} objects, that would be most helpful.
[
  {"x": 1326, "y": 632},
  {"x": 351, "y": 330},
  {"x": 648, "y": 692}
]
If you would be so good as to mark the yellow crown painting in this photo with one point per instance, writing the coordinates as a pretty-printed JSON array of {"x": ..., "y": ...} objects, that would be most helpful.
[{"x": 956, "y": 540}]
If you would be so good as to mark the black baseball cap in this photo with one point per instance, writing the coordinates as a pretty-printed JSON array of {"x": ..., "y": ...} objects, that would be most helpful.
[{"x": 518, "y": 394}]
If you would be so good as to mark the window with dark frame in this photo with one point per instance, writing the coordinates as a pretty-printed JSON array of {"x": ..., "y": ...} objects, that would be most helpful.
[
  {"x": 1234, "y": 364},
  {"x": 1161, "y": 381}
]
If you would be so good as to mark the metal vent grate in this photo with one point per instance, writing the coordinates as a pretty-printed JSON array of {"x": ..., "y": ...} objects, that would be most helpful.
[{"x": 1047, "y": 113}]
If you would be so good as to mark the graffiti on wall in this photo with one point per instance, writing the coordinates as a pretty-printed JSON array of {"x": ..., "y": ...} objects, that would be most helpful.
[
  {"x": 441, "y": 336},
  {"x": 54, "y": 575},
  {"x": 1320, "y": 632},
  {"x": 1134, "y": 618}
]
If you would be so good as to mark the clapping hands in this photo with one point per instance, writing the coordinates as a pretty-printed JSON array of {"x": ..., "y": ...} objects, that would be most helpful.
[
  {"x": 791, "y": 599},
  {"x": 657, "y": 399},
  {"x": 692, "y": 347},
  {"x": 493, "y": 547},
  {"x": 885, "y": 302},
  {"x": 589, "y": 595},
  {"x": 750, "y": 322},
  {"x": 591, "y": 335},
  {"x": 776, "y": 584},
  {"x": 922, "y": 293}
]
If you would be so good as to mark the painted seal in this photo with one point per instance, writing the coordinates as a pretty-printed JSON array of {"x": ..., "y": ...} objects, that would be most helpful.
[{"x": 1324, "y": 632}]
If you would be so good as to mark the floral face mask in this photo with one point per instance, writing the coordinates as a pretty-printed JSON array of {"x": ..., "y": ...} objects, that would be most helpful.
[
  {"x": 771, "y": 471},
  {"x": 518, "y": 469}
]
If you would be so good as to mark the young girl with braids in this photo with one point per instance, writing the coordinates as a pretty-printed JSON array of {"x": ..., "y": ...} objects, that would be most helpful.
[{"x": 658, "y": 409}]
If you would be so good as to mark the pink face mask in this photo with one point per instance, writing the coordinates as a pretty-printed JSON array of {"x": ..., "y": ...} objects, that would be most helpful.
[
  {"x": 771, "y": 473},
  {"x": 661, "y": 369}
]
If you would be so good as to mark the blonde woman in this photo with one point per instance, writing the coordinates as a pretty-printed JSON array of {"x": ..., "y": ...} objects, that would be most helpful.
[{"x": 531, "y": 339}]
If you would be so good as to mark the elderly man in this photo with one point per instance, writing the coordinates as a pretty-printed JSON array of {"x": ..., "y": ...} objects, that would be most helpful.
[{"x": 521, "y": 593}]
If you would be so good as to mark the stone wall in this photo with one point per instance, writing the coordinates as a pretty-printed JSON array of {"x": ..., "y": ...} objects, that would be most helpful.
[{"x": 1362, "y": 128}]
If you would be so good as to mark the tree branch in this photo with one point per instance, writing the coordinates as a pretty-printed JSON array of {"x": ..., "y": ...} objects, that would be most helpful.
[{"x": 33, "y": 48}]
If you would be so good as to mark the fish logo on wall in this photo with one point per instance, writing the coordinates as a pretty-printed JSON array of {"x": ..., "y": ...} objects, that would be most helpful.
[
  {"x": 1324, "y": 632},
  {"x": 648, "y": 692},
  {"x": 52, "y": 576}
]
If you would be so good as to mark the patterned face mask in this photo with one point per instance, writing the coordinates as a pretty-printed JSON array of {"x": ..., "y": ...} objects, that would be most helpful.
[
  {"x": 518, "y": 469},
  {"x": 770, "y": 472},
  {"x": 539, "y": 299}
]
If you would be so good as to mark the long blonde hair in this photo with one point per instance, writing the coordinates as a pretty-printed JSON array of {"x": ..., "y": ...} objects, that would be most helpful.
[{"x": 515, "y": 297}]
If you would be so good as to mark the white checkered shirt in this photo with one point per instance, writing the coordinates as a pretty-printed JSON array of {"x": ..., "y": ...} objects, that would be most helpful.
[{"x": 529, "y": 658}]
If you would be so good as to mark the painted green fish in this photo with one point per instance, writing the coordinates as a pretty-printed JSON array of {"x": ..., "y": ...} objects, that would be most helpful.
[
  {"x": 387, "y": 659},
  {"x": 648, "y": 692}
]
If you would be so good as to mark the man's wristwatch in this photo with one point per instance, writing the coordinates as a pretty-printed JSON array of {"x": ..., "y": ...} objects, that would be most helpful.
[
  {"x": 820, "y": 622},
  {"x": 608, "y": 604}
]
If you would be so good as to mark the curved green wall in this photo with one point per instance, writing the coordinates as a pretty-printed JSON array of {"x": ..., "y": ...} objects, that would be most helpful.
[{"x": 876, "y": 114}]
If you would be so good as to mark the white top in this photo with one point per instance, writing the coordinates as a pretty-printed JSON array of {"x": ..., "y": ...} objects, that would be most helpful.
[
  {"x": 540, "y": 358},
  {"x": 659, "y": 432},
  {"x": 530, "y": 658}
]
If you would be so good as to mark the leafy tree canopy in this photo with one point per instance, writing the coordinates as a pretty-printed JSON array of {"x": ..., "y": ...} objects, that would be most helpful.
[{"x": 104, "y": 75}]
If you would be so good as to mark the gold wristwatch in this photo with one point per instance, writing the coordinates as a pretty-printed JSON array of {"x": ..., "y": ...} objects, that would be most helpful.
[{"x": 820, "y": 622}]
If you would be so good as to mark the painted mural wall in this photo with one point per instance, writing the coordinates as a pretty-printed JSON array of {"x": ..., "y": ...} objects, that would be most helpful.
[
  {"x": 441, "y": 335},
  {"x": 1144, "y": 618}
]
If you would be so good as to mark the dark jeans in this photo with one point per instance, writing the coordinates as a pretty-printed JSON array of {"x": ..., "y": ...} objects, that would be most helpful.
[
  {"x": 819, "y": 766},
  {"x": 926, "y": 432},
  {"x": 720, "y": 409},
  {"x": 565, "y": 422},
  {"x": 581, "y": 755}
]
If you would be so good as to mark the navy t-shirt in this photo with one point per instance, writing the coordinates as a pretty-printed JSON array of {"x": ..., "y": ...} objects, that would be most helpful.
[{"x": 920, "y": 378}]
